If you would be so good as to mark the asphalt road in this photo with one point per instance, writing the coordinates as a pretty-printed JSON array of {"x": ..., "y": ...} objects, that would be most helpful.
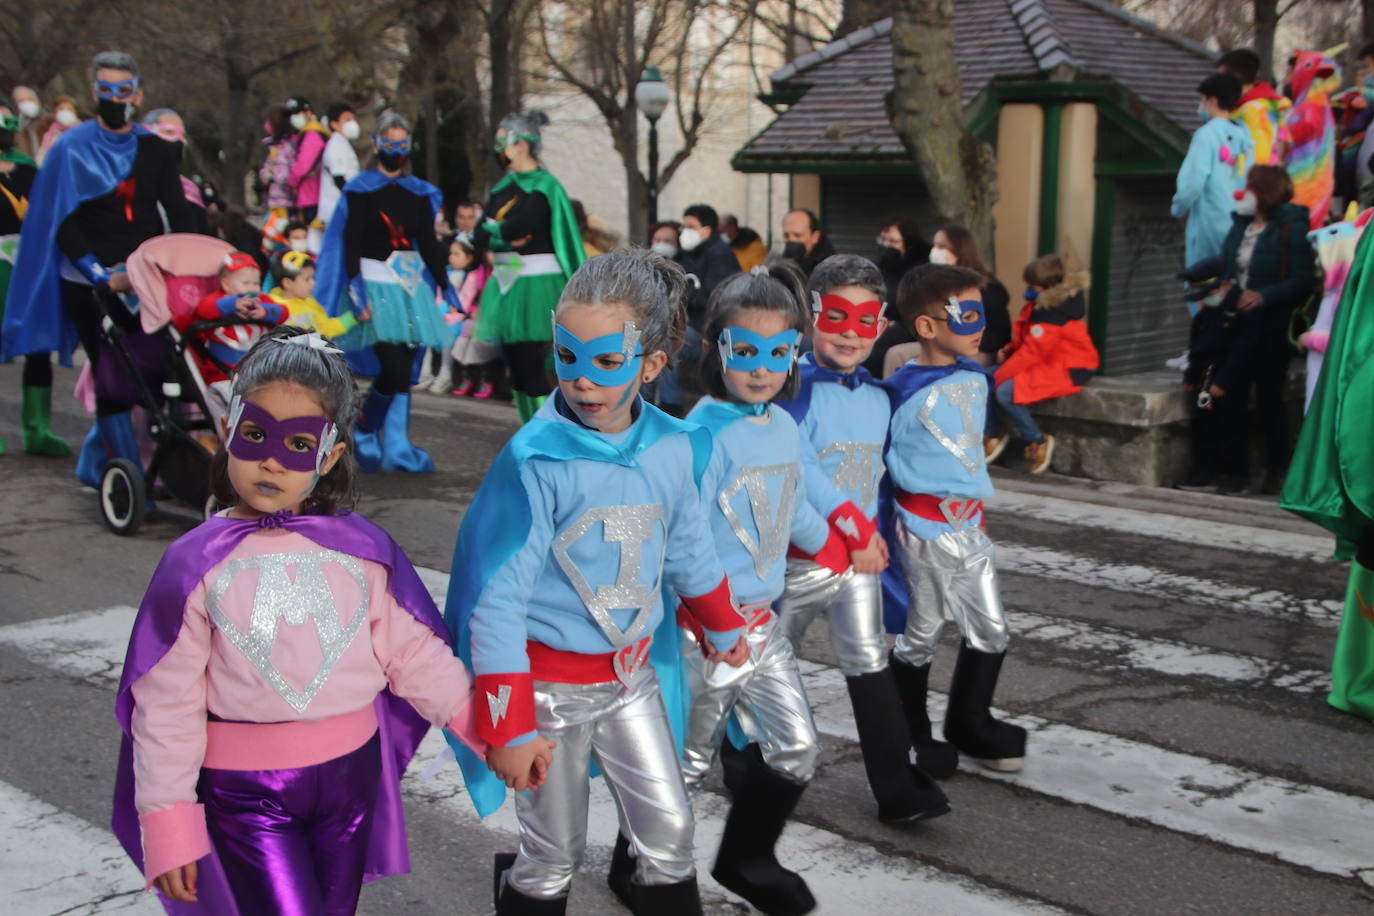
[{"x": 1170, "y": 656}]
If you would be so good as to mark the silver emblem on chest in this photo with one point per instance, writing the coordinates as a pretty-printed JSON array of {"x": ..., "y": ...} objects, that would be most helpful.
[
  {"x": 630, "y": 527},
  {"x": 774, "y": 524},
  {"x": 857, "y": 472},
  {"x": 967, "y": 446},
  {"x": 296, "y": 599}
]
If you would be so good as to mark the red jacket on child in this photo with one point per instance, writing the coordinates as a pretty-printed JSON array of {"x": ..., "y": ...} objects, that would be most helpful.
[
  {"x": 1051, "y": 354},
  {"x": 227, "y": 344}
]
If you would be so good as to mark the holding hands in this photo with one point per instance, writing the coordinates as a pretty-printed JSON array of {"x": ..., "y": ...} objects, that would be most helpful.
[{"x": 522, "y": 767}]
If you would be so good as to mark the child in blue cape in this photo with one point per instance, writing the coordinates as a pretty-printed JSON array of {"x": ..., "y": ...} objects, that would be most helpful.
[
  {"x": 555, "y": 597},
  {"x": 940, "y": 478},
  {"x": 843, "y": 415}
]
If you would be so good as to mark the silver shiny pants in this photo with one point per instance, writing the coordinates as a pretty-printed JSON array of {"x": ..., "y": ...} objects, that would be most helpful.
[
  {"x": 767, "y": 696},
  {"x": 952, "y": 577},
  {"x": 853, "y": 605},
  {"x": 625, "y": 729}
]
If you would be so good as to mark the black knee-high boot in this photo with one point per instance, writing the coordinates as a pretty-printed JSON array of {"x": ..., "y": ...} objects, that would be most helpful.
[
  {"x": 935, "y": 757},
  {"x": 510, "y": 902},
  {"x": 680, "y": 898},
  {"x": 746, "y": 863},
  {"x": 621, "y": 876},
  {"x": 969, "y": 723},
  {"x": 904, "y": 793}
]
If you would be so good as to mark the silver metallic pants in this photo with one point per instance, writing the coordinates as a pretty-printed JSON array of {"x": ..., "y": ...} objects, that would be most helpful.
[
  {"x": 767, "y": 696},
  {"x": 952, "y": 577},
  {"x": 853, "y": 604},
  {"x": 626, "y": 730}
]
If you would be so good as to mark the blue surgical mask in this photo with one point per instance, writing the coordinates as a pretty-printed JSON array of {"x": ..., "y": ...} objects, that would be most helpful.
[
  {"x": 763, "y": 356},
  {"x": 957, "y": 309},
  {"x": 1202, "y": 113},
  {"x": 1368, "y": 82},
  {"x": 585, "y": 352}
]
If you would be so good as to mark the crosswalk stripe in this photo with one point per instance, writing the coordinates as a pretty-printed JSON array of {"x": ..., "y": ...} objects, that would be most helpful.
[
  {"x": 51, "y": 862},
  {"x": 1296, "y": 822},
  {"x": 1134, "y": 579},
  {"x": 1164, "y": 656},
  {"x": 1162, "y": 525}
]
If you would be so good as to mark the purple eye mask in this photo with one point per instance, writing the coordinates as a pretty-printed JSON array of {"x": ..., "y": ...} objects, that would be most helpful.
[{"x": 273, "y": 437}]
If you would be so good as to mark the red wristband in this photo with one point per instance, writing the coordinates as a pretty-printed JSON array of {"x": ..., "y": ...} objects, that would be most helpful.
[
  {"x": 505, "y": 706},
  {"x": 716, "y": 609},
  {"x": 834, "y": 556},
  {"x": 855, "y": 527}
]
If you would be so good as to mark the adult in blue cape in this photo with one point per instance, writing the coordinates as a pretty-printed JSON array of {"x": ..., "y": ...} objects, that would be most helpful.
[
  {"x": 533, "y": 236},
  {"x": 95, "y": 200},
  {"x": 382, "y": 260},
  {"x": 17, "y": 174}
]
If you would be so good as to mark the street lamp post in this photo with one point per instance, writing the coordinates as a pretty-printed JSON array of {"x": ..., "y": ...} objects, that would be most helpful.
[{"x": 652, "y": 96}]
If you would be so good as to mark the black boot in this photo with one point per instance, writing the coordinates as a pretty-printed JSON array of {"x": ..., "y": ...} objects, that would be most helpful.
[
  {"x": 969, "y": 724},
  {"x": 935, "y": 757},
  {"x": 621, "y": 876},
  {"x": 510, "y": 902},
  {"x": 680, "y": 899},
  {"x": 746, "y": 863},
  {"x": 904, "y": 792}
]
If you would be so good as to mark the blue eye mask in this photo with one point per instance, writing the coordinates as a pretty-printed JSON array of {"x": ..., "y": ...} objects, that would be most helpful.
[
  {"x": 398, "y": 147},
  {"x": 956, "y": 309},
  {"x": 117, "y": 92},
  {"x": 765, "y": 346},
  {"x": 585, "y": 353}
]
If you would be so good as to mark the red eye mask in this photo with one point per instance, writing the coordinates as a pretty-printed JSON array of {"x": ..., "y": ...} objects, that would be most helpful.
[{"x": 853, "y": 315}]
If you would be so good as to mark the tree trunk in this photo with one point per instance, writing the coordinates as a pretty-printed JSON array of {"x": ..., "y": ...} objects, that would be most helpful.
[
  {"x": 859, "y": 14},
  {"x": 1367, "y": 20},
  {"x": 504, "y": 98},
  {"x": 926, "y": 112},
  {"x": 236, "y": 100},
  {"x": 1266, "y": 25}
]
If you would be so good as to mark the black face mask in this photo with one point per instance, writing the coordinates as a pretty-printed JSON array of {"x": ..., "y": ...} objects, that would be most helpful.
[
  {"x": 113, "y": 114},
  {"x": 889, "y": 258},
  {"x": 794, "y": 251},
  {"x": 6, "y": 139},
  {"x": 392, "y": 162}
]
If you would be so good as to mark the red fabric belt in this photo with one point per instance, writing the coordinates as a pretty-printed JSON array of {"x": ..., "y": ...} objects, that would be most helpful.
[
  {"x": 560, "y": 666},
  {"x": 950, "y": 509}
]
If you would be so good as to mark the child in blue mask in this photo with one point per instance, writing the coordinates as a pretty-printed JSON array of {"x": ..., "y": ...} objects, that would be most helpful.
[
  {"x": 555, "y": 597},
  {"x": 940, "y": 479},
  {"x": 755, "y": 502}
]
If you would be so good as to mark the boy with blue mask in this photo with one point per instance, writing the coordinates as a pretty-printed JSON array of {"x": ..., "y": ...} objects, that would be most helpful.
[
  {"x": 1221, "y": 352},
  {"x": 1218, "y": 157},
  {"x": 940, "y": 479}
]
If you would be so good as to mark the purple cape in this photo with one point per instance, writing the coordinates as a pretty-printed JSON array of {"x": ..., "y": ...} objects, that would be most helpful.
[{"x": 183, "y": 566}]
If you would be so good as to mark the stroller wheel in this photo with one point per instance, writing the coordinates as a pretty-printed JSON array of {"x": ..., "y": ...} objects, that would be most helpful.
[{"x": 123, "y": 496}]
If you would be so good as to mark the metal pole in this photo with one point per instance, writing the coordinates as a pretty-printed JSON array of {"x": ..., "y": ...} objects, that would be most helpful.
[{"x": 653, "y": 171}]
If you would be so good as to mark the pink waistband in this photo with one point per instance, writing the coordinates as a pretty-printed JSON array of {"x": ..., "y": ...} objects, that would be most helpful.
[{"x": 286, "y": 745}]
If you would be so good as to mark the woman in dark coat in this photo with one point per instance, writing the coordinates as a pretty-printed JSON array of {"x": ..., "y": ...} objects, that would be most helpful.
[{"x": 1268, "y": 253}]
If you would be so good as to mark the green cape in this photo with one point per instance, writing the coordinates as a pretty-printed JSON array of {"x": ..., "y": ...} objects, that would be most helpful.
[
  {"x": 13, "y": 155},
  {"x": 567, "y": 241}
]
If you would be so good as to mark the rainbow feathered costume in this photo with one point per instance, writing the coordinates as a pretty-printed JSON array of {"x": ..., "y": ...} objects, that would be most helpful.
[
  {"x": 1310, "y": 155},
  {"x": 1261, "y": 111}
]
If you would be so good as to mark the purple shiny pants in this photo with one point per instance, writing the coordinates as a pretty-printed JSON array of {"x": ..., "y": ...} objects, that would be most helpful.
[{"x": 293, "y": 842}]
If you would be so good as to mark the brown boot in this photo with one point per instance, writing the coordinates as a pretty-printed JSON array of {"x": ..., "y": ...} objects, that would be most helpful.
[{"x": 1038, "y": 455}]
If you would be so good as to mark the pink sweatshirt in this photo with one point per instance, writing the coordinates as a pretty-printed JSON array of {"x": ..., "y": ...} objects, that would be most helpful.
[
  {"x": 294, "y": 697},
  {"x": 305, "y": 173}
]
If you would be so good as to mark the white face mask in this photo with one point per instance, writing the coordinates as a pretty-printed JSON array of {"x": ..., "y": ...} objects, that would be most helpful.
[
  {"x": 689, "y": 239},
  {"x": 29, "y": 108},
  {"x": 300, "y": 245},
  {"x": 942, "y": 256},
  {"x": 299, "y": 121},
  {"x": 664, "y": 249},
  {"x": 66, "y": 117},
  {"x": 1214, "y": 300},
  {"x": 351, "y": 130},
  {"x": 1248, "y": 204}
]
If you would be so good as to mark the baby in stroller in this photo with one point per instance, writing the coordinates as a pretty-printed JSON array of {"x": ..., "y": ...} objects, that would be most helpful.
[{"x": 217, "y": 349}]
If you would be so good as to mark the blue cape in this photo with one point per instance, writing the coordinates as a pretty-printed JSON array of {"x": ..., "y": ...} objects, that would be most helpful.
[
  {"x": 811, "y": 373},
  {"x": 497, "y": 524},
  {"x": 900, "y": 386},
  {"x": 331, "y": 274},
  {"x": 87, "y": 162}
]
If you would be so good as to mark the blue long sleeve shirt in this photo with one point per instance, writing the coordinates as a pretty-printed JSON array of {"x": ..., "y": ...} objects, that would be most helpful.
[
  {"x": 842, "y": 437},
  {"x": 936, "y": 445},
  {"x": 1219, "y": 155},
  {"x": 755, "y": 504}
]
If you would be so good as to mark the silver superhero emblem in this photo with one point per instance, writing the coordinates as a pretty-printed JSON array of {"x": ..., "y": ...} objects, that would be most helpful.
[
  {"x": 630, "y": 527},
  {"x": 774, "y": 524},
  {"x": 859, "y": 469},
  {"x": 967, "y": 446},
  {"x": 295, "y": 598}
]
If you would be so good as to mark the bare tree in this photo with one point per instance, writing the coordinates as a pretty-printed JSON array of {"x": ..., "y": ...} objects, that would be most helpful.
[
  {"x": 39, "y": 41},
  {"x": 861, "y": 13},
  {"x": 927, "y": 114},
  {"x": 601, "y": 47}
]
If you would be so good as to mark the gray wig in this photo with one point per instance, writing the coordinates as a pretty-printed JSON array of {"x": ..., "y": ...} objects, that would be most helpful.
[
  {"x": 526, "y": 124},
  {"x": 389, "y": 120},
  {"x": 152, "y": 117},
  {"x": 651, "y": 286},
  {"x": 848, "y": 270},
  {"x": 280, "y": 357},
  {"x": 114, "y": 60}
]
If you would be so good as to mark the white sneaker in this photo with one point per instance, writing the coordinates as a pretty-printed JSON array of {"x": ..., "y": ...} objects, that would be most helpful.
[
  {"x": 425, "y": 379},
  {"x": 440, "y": 385},
  {"x": 1179, "y": 362}
]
